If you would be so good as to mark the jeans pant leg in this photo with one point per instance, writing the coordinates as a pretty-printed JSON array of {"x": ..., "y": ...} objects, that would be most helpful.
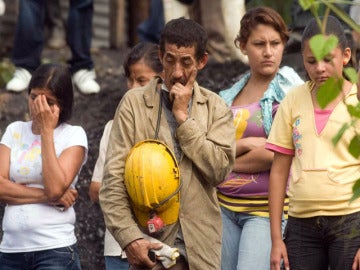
[
  {"x": 12, "y": 261},
  {"x": 304, "y": 244},
  {"x": 246, "y": 241},
  {"x": 116, "y": 263},
  {"x": 29, "y": 34},
  {"x": 79, "y": 34},
  {"x": 255, "y": 244},
  {"x": 65, "y": 258},
  {"x": 150, "y": 29},
  {"x": 344, "y": 239},
  {"x": 231, "y": 233}
]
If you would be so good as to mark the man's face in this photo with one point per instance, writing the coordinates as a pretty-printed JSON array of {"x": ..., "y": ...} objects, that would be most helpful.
[{"x": 178, "y": 64}]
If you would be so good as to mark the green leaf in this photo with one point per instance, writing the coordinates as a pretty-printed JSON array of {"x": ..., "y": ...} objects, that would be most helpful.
[
  {"x": 338, "y": 136},
  {"x": 354, "y": 147},
  {"x": 343, "y": 15},
  {"x": 322, "y": 46},
  {"x": 356, "y": 191},
  {"x": 328, "y": 91},
  {"x": 306, "y": 4},
  {"x": 354, "y": 110},
  {"x": 351, "y": 74}
]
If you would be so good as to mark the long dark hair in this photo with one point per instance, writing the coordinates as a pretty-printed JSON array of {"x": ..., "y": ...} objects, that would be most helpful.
[{"x": 57, "y": 79}]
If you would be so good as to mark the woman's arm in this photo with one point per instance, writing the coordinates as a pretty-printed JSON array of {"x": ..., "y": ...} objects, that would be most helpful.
[
  {"x": 277, "y": 187},
  {"x": 251, "y": 155},
  {"x": 58, "y": 172},
  {"x": 14, "y": 193},
  {"x": 94, "y": 191}
]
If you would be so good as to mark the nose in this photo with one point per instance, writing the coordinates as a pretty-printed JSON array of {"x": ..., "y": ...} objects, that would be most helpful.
[
  {"x": 320, "y": 66},
  {"x": 178, "y": 71},
  {"x": 267, "y": 50}
]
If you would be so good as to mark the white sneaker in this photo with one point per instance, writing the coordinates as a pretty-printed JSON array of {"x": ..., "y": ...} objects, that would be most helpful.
[
  {"x": 84, "y": 80},
  {"x": 20, "y": 80},
  {"x": 2, "y": 7}
]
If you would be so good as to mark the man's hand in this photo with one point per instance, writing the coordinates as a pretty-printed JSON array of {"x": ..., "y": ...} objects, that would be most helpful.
[
  {"x": 180, "y": 96},
  {"x": 138, "y": 250}
]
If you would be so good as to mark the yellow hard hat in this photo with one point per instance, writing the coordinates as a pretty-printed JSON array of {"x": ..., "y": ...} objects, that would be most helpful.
[{"x": 152, "y": 180}]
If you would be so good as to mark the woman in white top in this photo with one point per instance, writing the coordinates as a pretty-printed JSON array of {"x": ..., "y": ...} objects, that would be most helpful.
[{"x": 40, "y": 162}]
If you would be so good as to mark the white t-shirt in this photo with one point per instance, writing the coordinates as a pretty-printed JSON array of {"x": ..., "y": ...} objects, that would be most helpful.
[
  {"x": 111, "y": 246},
  {"x": 35, "y": 227}
]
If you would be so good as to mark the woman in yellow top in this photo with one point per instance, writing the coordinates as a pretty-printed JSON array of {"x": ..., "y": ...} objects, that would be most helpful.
[{"x": 323, "y": 226}]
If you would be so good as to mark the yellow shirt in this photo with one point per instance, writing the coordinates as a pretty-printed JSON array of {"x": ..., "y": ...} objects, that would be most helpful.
[{"x": 322, "y": 174}]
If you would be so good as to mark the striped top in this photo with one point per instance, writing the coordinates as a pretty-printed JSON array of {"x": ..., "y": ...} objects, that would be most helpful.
[{"x": 243, "y": 192}]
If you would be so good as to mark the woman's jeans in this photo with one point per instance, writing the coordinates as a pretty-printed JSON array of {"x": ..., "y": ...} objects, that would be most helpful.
[
  {"x": 29, "y": 34},
  {"x": 116, "y": 263},
  {"x": 246, "y": 242},
  {"x": 323, "y": 242},
  {"x": 66, "y": 258}
]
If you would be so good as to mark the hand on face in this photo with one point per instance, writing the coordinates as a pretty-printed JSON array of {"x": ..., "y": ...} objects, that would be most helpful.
[
  {"x": 44, "y": 116},
  {"x": 180, "y": 96}
]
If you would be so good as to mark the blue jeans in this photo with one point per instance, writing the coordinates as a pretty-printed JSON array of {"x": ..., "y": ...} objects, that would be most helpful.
[
  {"x": 29, "y": 34},
  {"x": 150, "y": 29},
  {"x": 322, "y": 242},
  {"x": 116, "y": 263},
  {"x": 246, "y": 241},
  {"x": 66, "y": 258}
]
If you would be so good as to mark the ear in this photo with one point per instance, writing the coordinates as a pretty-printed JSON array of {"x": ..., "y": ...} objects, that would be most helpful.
[
  {"x": 242, "y": 47},
  {"x": 346, "y": 56},
  {"x": 203, "y": 61},
  {"x": 160, "y": 56}
]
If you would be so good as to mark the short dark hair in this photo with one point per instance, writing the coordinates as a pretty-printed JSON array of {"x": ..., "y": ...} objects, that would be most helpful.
[
  {"x": 261, "y": 15},
  {"x": 333, "y": 27},
  {"x": 57, "y": 79},
  {"x": 147, "y": 51},
  {"x": 184, "y": 33}
]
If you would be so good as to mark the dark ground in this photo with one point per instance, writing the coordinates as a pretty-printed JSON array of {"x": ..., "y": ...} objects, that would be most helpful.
[{"x": 92, "y": 112}]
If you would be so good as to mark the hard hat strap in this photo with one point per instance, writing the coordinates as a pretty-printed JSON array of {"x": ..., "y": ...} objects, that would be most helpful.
[
  {"x": 158, "y": 118},
  {"x": 169, "y": 197}
]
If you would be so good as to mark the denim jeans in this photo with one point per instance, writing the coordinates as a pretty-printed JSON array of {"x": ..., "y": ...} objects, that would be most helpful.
[
  {"x": 150, "y": 29},
  {"x": 116, "y": 263},
  {"x": 66, "y": 258},
  {"x": 246, "y": 241},
  {"x": 323, "y": 242},
  {"x": 29, "y": 34}
]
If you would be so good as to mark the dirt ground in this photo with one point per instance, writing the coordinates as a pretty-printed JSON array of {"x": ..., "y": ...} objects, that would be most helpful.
[{"x": 92, "y": 112}]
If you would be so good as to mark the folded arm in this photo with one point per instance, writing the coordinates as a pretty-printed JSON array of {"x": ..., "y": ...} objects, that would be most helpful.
[{"x": 251, "y": 155}]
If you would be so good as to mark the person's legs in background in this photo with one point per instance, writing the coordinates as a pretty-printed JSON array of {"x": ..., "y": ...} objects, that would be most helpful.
[
  {"x": 55, "y": 25},
  {"x": 150, "y": 29},
  {"x": 79, "y": 34},
  {"x": 28, "y": 43}
]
